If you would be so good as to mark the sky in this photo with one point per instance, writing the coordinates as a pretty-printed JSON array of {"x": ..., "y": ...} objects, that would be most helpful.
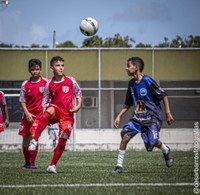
[{"x": 24, "y": 22}]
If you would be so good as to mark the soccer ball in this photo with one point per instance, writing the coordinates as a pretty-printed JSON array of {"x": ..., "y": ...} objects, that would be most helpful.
[{"x": 89, "y": 26}]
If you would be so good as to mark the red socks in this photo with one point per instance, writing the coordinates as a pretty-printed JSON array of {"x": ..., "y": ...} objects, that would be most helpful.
[
  {"x": 58, "y": 151},
  {"x": 26, "y": 153},
  {"x": 29, "y": 156},
  {"x": 33, "y": 155},
  {"x": 43, "y": 122}
]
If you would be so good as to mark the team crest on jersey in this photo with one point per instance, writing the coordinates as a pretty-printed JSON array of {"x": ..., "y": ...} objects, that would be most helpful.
[
  {"x": 143, "y": 92},
  {"x": 41, "y": 89},
  {"x": 65, "y": 89}
]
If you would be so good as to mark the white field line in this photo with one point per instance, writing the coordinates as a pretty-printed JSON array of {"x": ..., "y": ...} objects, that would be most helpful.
[{"x": 96, "y": 185}]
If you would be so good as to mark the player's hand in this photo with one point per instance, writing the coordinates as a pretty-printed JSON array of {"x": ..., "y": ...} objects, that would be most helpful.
[
  {"x": 116, "y": 122},
  {"x": 169, "y": 118},
  {"x": 29, "y": 117},
  {"x": 7, "y": 123}
]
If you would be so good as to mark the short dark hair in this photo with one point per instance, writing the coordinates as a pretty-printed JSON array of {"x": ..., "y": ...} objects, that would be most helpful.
[
  {"x": 137, "y": 61},
  {"x": 33, "y": 62},
  {"x": 55, "y": 59}
]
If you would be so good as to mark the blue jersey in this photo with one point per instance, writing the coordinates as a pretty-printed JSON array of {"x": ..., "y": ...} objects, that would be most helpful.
[{"x": 145, "y": 97}]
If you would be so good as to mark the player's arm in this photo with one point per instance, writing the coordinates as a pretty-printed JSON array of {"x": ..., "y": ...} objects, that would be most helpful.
[
  {"x": 45, "y": 99},
  {"x": 128, "y": 103},
  {"x": 7, "y": 115},
  {"x": 160, "y": 94},
  {"x": 22, "y": 100},
  {"x": 168, "y": 114},
  {"x": 28, "y": 115},
  {"x": 78, "y": 105},
  {"x": 5, "y": 107},
  {"x": 121, "y": 113},
  {"x": 78, "y": 95}
]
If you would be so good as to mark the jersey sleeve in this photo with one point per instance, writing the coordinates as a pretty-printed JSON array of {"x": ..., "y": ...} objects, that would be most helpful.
[
  {"x": 46, "y": 99},
  {"x": 156, "y": 90},
  {"x": 128, "y": 100},
  {"x": 77, "y": 89},
  {"x": 3, "y": 98},
  {"x": 22, "y": 97}
]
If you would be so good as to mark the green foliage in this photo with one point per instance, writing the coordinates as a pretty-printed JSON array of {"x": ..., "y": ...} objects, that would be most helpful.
[
  {"x": 95, "y": 168},
  {"x": 142, "y": 45},
  {"x": 5, "y": 45},
  {"x": 94, "y": 41},
  {"x": 119, "y": 41},
  {"x": 66, "y": 44}
]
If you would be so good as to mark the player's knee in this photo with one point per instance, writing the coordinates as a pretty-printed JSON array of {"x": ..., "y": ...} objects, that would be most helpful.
[
  {"x": 64, "y": 135},
  {"x": 51, "y": 110},
  {"x": 126, "y": 131},
  {"x": 124, "y": 135},
  {"x": 154, "y": 142},
  {"x": 125, "y": 138}
]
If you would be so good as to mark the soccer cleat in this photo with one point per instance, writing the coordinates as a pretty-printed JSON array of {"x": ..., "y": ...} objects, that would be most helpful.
[
  {"x": 51, "y": 169},
  {"x": 25, "y": 166},
  {"x": 33, "y": 145},
  {"x": 29, "y": 165},
  {"x": 32, "y": 165},
  {"x": 168, "y": 158},
  {"x": 117, "y": 170}
]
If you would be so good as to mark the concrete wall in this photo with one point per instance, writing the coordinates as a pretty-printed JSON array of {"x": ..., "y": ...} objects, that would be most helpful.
[
  {"x": 162, "y": 64},
  {"x": 104, "y": 139}
]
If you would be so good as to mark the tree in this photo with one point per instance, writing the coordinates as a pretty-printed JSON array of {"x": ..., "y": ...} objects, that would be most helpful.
[
  {"x": 5, "y": 45},
  {"x": 142, "y": 45},
  {"x": 178, "y": 42},
  {"x": 33, "y": 45},
  {"x": 163, "y": 44},
  {"x": 94, "y": 41},
  {"x": 192, "y": 41},
  {"x": 45, "y": 46},
  {"x": 118, "y": 41},
  {"x": 68, "y": 44}
]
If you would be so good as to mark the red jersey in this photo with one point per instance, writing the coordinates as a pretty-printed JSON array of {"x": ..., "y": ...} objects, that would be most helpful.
[
  {"x": 32, "y": 93},
  {"x": 62, "y": 93},
  {"x": 2, "y": 101}
]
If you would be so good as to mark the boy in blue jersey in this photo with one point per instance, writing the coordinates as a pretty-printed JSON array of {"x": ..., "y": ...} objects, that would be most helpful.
[{"x": 144, "y": 94}]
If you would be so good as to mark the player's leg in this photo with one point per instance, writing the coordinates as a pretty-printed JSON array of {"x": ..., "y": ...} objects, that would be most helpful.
[
  {"x": 65, "y": 131},
  {"x": 127, "y": 133},
  {"x": 26, "y": 152},
  {"x": 53, "y": 132},
  {"x": 38, "y": 127},
  {"x": 1, "y": 123},
  {"x": 26, "y": 134},
  {"x": 152, "y": 140},
  {"x": 167, "y": 153},
  {"x": 57, "y": 153}
]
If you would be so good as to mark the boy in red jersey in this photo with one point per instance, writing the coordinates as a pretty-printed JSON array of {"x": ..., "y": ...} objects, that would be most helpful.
[
  {"x": 5, "y": 108},
  {"x": 31, "y": 95},
  {"x": 58, "y": 102}
]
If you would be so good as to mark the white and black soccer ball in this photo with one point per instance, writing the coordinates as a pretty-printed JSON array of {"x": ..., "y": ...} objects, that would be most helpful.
[{"x": 89, "y": 26}]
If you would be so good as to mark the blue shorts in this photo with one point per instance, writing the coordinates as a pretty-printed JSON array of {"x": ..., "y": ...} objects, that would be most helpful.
[{"x": 150, "y": 134}]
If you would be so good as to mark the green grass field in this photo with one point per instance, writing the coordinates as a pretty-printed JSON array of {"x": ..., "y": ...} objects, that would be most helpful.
[{"x": 144, "y": 173}]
